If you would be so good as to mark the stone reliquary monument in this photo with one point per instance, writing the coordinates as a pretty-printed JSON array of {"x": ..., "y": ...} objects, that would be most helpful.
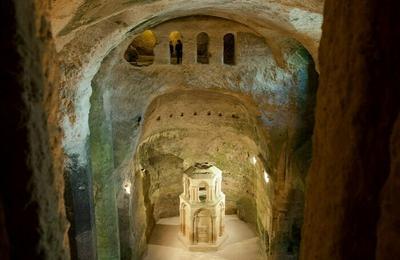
[{"x": 202, "y": 208}]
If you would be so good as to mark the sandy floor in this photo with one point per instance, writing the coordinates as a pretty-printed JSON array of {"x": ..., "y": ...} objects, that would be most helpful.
[{"x": 242, "y": 243}]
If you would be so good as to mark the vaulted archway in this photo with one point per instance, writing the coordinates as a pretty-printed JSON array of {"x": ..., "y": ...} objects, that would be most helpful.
[{"x": 93, "y": 169}]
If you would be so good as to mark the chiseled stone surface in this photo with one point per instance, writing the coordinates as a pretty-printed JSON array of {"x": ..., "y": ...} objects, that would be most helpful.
[
  {"x": 32, "y": 191},
  {"x": 83, "y": 49},
  {"x": 388, "y": 231},
  {"x": 165, "y": 117},
  {"x": 104, "y": 100},
  {"x": 357, "y": 105},
  {"x": 353, "y": 183}
]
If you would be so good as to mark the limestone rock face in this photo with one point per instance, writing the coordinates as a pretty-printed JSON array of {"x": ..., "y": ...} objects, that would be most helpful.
[
  {"x": 124, "y": 134},
  {"x": 87, "y": 34},
  {"x": 148, "y": 123},
  {"x": 353, "y": 153},
  {"x": 254, "y": 115},
  {"x": 209, "y": 126},
  {"x": 32, "y": 207}
]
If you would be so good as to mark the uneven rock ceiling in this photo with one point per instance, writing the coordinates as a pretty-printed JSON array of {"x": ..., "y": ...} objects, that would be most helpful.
[
  {"x": 300, "y": 19},
  {"x": 254, "y": 118},
  {"x": 87, "y": 31}
]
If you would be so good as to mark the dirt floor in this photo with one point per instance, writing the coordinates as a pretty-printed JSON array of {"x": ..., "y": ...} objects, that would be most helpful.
[{"x": 242, "y": 243}]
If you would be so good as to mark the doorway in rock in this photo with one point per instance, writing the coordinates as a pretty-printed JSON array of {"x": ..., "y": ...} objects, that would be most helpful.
[
  {"x": 141, "y": 50},
  {"x": 175, "y": 47},
  {"x": 202, "y": 48}
]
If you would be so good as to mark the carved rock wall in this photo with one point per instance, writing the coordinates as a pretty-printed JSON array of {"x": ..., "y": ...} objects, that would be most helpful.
[{"x": 355, "y": 135}]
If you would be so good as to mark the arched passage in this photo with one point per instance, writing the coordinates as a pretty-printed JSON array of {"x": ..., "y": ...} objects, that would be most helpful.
[
  {"x": 175, "y": 47},
  {"x": 203, "y": 226},
  {"x": 141, "y": 51},
  {"x": 202, "y": 48},
  {"x": 229, "y": 49}
]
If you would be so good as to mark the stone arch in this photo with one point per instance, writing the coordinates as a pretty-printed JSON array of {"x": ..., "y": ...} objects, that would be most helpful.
[
  {"x": 175, "y": 38},
  {"x": 229, "y": 49},
  {"x": 202, "y": 40},
  {"x": 203, "y": 226},
  {"x": 141, "y": 50}
]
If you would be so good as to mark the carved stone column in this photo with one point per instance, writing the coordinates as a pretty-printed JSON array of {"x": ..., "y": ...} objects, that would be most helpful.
[
  {"x": 161, "y": 51},
  {"x": 189, "y": 49},
  {"x": 216, "y": 49}
]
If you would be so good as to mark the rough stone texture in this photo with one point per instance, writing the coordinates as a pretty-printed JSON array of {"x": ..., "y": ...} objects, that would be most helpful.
[
  {"x": 102, "y": 165},
  {"x": 300, "y": 18},
  {"x": 80, "y": 210},
  {"x": 172, "y": 143},
  {"x": 83, "y": 50},
  {"x": 276, "y": 131},
  {"x": 356, "y": 140},
  {"x": 271, "y": 69},
  {"x": 358, "y": 103},
  {"x": 388, "y": 227},
  {"x": 32, "y": 183},
  {"x": 73, "y": 14}
]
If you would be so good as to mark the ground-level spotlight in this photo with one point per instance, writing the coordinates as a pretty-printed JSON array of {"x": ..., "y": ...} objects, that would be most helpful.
[
  {"x": 266, "y": 177},
  {"x": 253, "y": 160},
  {"x": 127, "y": 187}
]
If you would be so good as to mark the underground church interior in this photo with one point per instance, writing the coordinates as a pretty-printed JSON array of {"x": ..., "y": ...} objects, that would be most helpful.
[{"x": 213, "y": 129}]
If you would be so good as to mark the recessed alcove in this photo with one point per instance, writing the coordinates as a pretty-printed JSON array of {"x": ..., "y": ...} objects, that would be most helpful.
[
  {"x": 175, "y": 47},
  {"x": 166, "y": 148},
  {"x": 202, "y": 48},
  {"x": 140, "y": 51},
  {"x": 229, "y": 49}
]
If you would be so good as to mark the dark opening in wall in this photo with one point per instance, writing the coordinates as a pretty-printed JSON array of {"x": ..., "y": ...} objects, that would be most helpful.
[
  {"x": 202, "y": 192},
  {"x": 202, "y": 48},
  {"x": 141, "y": 51},
  {"x": 175, "y": 47},
  {"x": 229, "y": 49}
]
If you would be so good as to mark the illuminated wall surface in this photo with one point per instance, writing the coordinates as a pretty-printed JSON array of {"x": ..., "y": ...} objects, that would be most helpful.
[{"x": 111, "y": 102}]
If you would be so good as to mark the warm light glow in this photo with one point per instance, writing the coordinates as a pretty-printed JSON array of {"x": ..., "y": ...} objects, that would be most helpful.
[
  {"x": 253, "y": 160},
  {"x": 127, "y": 187},
  {"x": 175, "y": 36},
  {"x": 149, "y": 38},
  {"x": 266, "y": 177}
]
